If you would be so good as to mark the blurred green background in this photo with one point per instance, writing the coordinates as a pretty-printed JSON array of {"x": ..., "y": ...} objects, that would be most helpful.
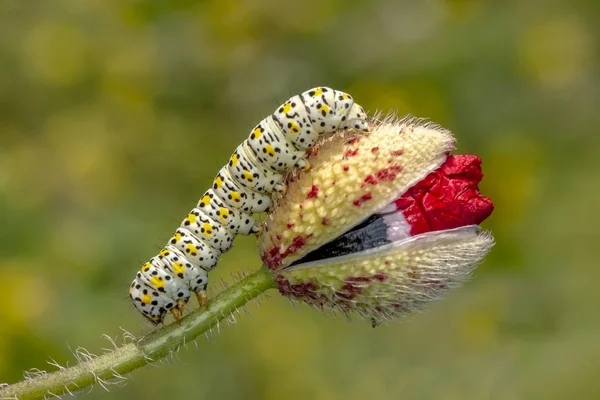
[{"x": 115, "y": 116}]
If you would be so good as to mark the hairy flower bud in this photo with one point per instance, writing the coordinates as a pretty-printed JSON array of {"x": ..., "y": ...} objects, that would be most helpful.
[{"x": 382, "y": 222}]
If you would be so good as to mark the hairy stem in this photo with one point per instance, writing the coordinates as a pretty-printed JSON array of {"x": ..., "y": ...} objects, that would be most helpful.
[{"x": 111, "y": 366}]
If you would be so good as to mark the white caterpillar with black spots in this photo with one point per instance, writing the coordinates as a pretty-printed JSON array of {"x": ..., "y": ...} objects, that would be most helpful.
[{"x": 242, "y": 187}]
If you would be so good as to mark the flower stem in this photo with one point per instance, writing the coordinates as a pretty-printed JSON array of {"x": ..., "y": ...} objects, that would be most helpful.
[{"x": 111, "y": 366}]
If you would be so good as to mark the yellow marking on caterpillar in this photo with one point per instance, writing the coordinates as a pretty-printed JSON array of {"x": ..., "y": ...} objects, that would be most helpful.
[
  {"x": 270, "y": 150},
  {"x": 178, "y": 267},
  {"x": 236, "y": 196},
  {"x": 208, "y": 229},
  {"x": 192, "y": 249},
  {"x": 257, "y": 132},
  {"x": 219, "y": 181},
  {"x": 324, "y": 108},
  {"x": 248, "y": 176},
  {"x": 223, "y": 213},
  {"x": 345, "y": 96},
  {"x": 146, "y": 267},
  {"x": 317, "y": 92},
  {"x": 235, "y": 159},
  {"x": 191, "y": 218},
  {"x": 164, "y": 252},
  {"x": 294, "y": 127},
  {"x": 205, "y": 200},
  {"x": 287, "y": 107},
  {"x": 146, "y": 299},
  {"x": 177, "y": 237},
  {"x": 157, "y": 282}
]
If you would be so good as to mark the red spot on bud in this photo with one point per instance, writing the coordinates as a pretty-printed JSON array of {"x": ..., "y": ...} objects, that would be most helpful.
[
  {"x": 359, "y": 279},
  {"x": 389, "y": 174},
  {"x": 325, "y": 221},
  {"x": 297, "y": 244},
  {"x": 346, "y": 296},
  {"x": 365, "y": 197},
  {"x": 274, "y": 257},
  {"x": 346, "y": 168},
  {"x": 307, "y": 291},
  {"x": 356, "y": 284},
  {"x": 299, "y": 290},
  {"x": 348, "y": 287},
  {"x": 290, "y": 225},
  {"x": 353, "y": 140},
  {"x": 371, "y": 180},
  {"x": 397, "y": 153},
  {"x": 350, "y": 153},
  {"x": 273, "y": 254},
  {"x": 374, "y": 149},
  {"x": 313, "y": 192}
]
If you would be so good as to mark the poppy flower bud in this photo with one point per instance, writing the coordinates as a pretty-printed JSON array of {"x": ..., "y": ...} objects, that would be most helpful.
[{"x": 381, "y": 223}]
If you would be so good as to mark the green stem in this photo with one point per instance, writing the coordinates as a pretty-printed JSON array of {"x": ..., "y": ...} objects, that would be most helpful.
[{"x": 110, "y": 366}]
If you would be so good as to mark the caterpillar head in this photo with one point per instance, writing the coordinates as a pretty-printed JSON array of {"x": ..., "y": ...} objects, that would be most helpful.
[
  {"x": 165, "y": 283},
  {"x": 352, "y": 116},
  {"x": 347, "y": 236}
]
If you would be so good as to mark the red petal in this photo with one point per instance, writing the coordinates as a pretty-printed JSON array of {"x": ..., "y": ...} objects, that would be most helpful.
[{"x": 447, "y": 198}]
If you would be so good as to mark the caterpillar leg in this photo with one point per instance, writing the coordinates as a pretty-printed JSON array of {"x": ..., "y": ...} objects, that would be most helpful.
[
  {"x": 257, "y": 230},
  {"x": 283, "y": 189},
  {"x": 176, "y": 314},
  {"x": 202, "y": 298},
  {"x": 305, "y": 165},
  {"x": 180, "y": 305}
]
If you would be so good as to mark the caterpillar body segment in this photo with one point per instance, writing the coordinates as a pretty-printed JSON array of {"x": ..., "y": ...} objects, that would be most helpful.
[
  {"x": 210, "y": 231},
  {"x": 195, "y": 250},
  {"x": 241, "y": 188},
  {"x": 251, "y": 174},
  {"x": 148, "y": 299},
  {"x": 236, "y": 221},
  {"x": 321, "y": 106},
  {"x": 195, "y": 278},
  {"x": 236, "y": 196},
  {"x": 294, "y": 122},
  {"x": 155, "y": 274},
  {"x": 273, "y": 149}
]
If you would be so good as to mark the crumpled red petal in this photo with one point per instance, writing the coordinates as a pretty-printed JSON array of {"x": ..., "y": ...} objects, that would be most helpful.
[{"x": 447, "y": 198}]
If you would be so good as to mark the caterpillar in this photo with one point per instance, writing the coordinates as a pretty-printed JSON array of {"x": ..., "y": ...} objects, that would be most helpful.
[{"x": 241, "y": 188}]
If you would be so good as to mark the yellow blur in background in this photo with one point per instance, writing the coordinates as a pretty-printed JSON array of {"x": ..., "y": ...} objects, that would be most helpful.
[{"x": 115, "y": 117}]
